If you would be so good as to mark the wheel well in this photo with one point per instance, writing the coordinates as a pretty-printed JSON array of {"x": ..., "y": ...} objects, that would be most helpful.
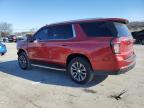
[
  {"x": 20, "y": 51},
  {"x": 70, "y": 57}
]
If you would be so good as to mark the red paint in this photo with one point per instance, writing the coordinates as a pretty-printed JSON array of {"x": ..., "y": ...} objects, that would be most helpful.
[{"x": 98, "y": 49}]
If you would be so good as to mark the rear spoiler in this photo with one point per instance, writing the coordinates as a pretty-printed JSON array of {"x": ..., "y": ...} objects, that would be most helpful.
[{"x": 120, "y": 20}]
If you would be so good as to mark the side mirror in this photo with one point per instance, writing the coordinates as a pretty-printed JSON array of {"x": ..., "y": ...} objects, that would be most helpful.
[{"x": 30, "y": 39}]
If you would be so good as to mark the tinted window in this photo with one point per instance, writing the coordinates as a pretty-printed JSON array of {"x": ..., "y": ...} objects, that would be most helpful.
[
  {"x": 99, "y": 29},
  {"x": 106, "y": 29},
  {"x": 50, "y": 33},
  {"x": 42, "y": 34},
  {"x": 122, "y": 30},
  {"x": 62, "y": 32}
]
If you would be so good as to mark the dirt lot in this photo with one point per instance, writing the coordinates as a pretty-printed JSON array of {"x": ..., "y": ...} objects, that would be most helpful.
[{"x": 42, "y": 88}]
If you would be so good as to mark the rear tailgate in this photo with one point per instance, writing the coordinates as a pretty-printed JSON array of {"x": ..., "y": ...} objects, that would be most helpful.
[
  {"x": 126, "y": 47},
  {"x": 126, "y": 40}
]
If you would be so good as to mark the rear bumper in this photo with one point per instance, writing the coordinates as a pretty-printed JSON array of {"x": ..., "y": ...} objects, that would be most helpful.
[
  {"x": 120, "y": 71},
  {"x": 126, "y": 68}
]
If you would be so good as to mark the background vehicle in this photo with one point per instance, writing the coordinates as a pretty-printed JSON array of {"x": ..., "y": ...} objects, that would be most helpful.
[
  {"x": 3, "y": 49},
  {"x": 12, "y": 38},
  {"x": 139, "y": 36},
  {"x": 83, "y": 48},
  {"x": 19, "y": 38},
  {"x": 5, "y": 39}
]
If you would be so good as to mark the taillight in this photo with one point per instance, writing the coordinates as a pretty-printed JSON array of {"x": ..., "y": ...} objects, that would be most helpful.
[{"x": 116, "y": 46}]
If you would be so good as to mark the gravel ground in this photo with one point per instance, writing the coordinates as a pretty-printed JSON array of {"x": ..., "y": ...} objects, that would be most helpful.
[{"x": 43, "y": 88}]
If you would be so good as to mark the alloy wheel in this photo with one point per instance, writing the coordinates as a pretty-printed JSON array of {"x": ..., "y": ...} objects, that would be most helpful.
[
  {"x": 78, "y": 71},
  {"x": 22, "y": 61}
]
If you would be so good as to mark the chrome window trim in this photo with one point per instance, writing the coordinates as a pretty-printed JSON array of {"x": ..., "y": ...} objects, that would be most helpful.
[{"x": 74, "y": 32}]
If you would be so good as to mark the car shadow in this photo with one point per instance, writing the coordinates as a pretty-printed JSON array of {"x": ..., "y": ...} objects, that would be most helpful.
[{"x": 45, "y": 76}]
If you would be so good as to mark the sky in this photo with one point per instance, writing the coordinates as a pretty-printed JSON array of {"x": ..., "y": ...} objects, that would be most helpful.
[{"x": 28, "y": 14}]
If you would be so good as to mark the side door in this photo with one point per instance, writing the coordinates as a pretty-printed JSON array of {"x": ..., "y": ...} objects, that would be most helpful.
[
  {"x": 58, "y": 44},
  {"x": 36, "y": 48}
]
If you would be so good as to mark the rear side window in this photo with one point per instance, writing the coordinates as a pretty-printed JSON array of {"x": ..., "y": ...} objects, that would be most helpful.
[
  {"x": 99, "y": 29},
  {"x": 105, "y": 29},
  {"x": 61, "y": 32}
]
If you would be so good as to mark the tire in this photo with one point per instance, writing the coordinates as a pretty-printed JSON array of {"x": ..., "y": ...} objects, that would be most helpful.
[
  {"x": 24, "y": 61},
  {"x": 142, "y": 41},
  {"x": 80, "y": 70}
]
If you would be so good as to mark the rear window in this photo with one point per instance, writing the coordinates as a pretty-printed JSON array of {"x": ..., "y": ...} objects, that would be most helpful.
[
  {"x": 105, "y": 29},
  {"x": 122, "y": 30}
]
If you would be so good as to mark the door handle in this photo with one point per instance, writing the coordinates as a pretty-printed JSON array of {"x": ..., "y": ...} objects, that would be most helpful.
[
  {"x": 35, "y": 41},
  {"x": 64, "y": 45}
]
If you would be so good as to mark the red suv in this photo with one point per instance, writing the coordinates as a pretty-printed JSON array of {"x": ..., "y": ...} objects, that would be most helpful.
[{"x": 83, "y": 48}]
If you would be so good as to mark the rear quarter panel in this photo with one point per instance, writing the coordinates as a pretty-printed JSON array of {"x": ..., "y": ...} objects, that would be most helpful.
[{"x": 97, "y": 50}]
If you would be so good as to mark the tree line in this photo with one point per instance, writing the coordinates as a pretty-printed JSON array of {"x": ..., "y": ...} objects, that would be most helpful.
[
  {"x": 136, "y": 26},
  {"x": 5, "y": 29}
]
